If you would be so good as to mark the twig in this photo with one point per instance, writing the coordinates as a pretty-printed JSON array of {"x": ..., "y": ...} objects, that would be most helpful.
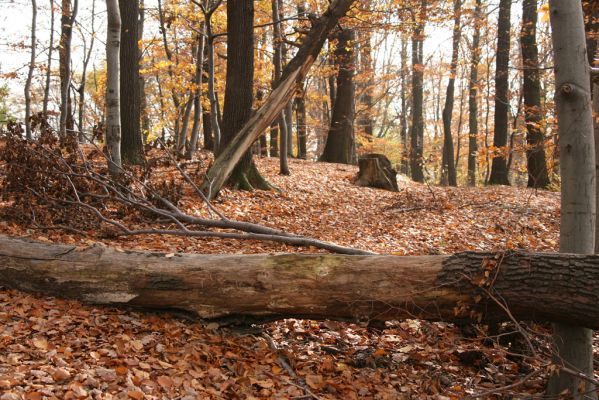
[{"x": 522, "y": 381}]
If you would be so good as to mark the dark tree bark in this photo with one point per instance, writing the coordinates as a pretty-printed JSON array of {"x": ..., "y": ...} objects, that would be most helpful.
[
  {"x": 448, "y": 174},
  {"x": 207, "y": 128},
  {"x": 278, "y": 68},
  {"x": 27, "y": 90},
  {"x": 417, "y": 132},
  {"x": 49, "y": 66},
  {"x": 239, "y": 94},
  {"x": 302, "y": 128},
  {"x": 69, "y": 13},
  {"x": 538, "y": 176},
  {"x": 132, "y": 151},
  {"x": 145, "y": 116},
  {"x": 473, "y": 86},
  {"x": 499, "y": 170},
  {"x": 340, "y": 145},
  {"x": 366, "y": 121},
  {"x": 405, "y": 72},
  {"x": 313, "y": 286},
  {"x": 573, "y": 342}
]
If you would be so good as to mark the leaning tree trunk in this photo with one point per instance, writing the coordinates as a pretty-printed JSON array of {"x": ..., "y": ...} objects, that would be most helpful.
[
  {"x": 459, "y": 287},
  {"x": 132, "y": 151},
  {"x": 448, "y": 172},
  {"x": 538, "y": 176},
  {"x": 473, "y": 97},
  {"x": 340, "y": 145},
  {"x": 293, "y": 74},
  {"x": 239, "y": 93},
  {"x": 499, "y": 169},
  {"x": 113, "y": 117},
  {"x": 27, "y": 89},
  {"x": 577, "y": 163}
]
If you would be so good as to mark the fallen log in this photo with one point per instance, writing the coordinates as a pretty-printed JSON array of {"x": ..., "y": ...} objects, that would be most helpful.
[{"x": 460, "y": 287}]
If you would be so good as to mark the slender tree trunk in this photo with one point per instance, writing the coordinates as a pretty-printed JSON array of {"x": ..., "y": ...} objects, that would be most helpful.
[
  {"x": 577, "y": 163},
  {"x": 113, "y": 107},
  {"x": 68, "y": 19},
  {"x": 366, "y": 121},
  {"x": 405, "y": 146},
  {"x": 499, "y": 170},
  {"x": 473, "y": 87},
  {"x": 302, "y": 128},
  {"x": 143, "y": 105},
  {"x": 214, "y": 120},
  {"x": 197, "y": 98},
  {"x": 27, "y": 90},
  {"x": 538, "y": 176},
  {"x": 49, "y": 67},
  {"x": 340, "y": 145},
  {"x": 448, "y": 174},
  {"x": 278, "y": 68},
  {"x": 86, "y": 59},
  {"x": 132, "y": 151},
  {"x": 417, "y": 132}
]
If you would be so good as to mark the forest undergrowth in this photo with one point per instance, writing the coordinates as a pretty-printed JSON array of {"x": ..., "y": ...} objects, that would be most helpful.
[{"x": 57, "y": 349}]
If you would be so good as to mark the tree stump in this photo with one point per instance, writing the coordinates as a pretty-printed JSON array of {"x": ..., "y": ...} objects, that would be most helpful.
[{"x": 376, "y": 172}]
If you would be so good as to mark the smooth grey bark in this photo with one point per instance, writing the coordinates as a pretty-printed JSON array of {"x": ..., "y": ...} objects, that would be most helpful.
[
  {"x": 66, "y": 36},
  {"x": 113, "y": 106},
  {"x": 31, "y": 68},
  {"x": 49, "y": 67},
  {"x": 473, "y": 97},
  {"x": 573, "y": 344},
  {"x": 448, "y": 170}
]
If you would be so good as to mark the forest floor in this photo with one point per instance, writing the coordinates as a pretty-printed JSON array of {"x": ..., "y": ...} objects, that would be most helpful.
[{"x": 57, "y": 349}]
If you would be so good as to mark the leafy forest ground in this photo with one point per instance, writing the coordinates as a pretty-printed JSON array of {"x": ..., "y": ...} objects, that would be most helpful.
[{"x": 57, "y": 349}]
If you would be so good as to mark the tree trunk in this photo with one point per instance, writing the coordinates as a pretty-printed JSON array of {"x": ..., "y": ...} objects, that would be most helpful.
[
  {"x": 49, "y": 66},
  {"x": 473, "y": 87},
  {"x": 197, "y": 98},
  {"x": 143, "y": 101},
  {"x": 302, "y": 128},
  {"x": 499, "y": 170},
  {"x": 405, "y": 152},
  {"x": 132, "y": 151},
  {"x": 31, "y": 68},
  {"x": 417, "y": 131},
  {"x": 367, "y": 68},
  {"x": 317, "y": 286},
  {"x": 87, "y": 57},
  {"x": 535, "y": 151},
  {"x": 577, "y": 163},
  {"x": 340, "y": 145},
  {"x": 113, "y": 106},
  {"x": 67, "y": 21},
  {"x": 239, "y": 93},
  {"x": 448, "y": 173},
  {"x": 277, "y": 38},
  {"x": 293, "y": 74}
]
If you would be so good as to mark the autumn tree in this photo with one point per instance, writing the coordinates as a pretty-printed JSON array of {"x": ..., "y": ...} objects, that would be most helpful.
[
  {"x": 340, "y": 145},
  {"x": 473, "y": 89},
  {"x": 113, "y": 106},
  {"x": 27, "y": 90},
  {"x": 69, "y": 13},
  {"x": 417, "y": 131},
  {"x": 449, "y": 174},
  {"x": 499, "y": 169},
  {"x": 131, "y": 139},
  {"x": 239, "y": 92},
  {"x": 538, "y": 176}
]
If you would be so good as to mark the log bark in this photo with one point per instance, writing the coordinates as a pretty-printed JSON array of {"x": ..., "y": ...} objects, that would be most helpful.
[{"x": 533, "y": 286}]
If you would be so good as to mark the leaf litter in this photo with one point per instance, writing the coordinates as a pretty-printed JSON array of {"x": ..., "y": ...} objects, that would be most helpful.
[{"x": 58, "y": 349}]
